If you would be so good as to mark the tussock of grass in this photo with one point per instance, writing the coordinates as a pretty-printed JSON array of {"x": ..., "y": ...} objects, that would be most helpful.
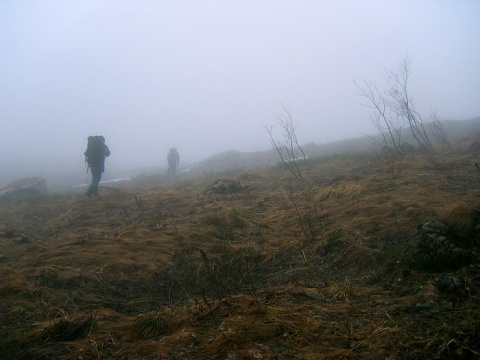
[
  {"x": 343, "y": 290},
  {"x": 151, "y": 325},
  {"x": 460, "y": 216},
  {"x": 67, "y": 329}
]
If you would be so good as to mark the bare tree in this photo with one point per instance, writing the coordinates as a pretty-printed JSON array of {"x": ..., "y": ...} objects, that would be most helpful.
[
  {"x": 394, "y": 111},
  {"x": 387, "y": 123},
  {"x": 438, "y": 132},
  {"x": 403, "y": 105},
  {"x": 288, "y": 148}
]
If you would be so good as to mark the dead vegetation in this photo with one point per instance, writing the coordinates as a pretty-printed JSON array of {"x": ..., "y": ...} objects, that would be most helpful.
[{"x": 271, "y": 268}]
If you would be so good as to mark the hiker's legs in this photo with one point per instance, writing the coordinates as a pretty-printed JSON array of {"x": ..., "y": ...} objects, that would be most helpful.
[
  {"x": 171, "y": 171},
  {"x": 96, "y": 177}
]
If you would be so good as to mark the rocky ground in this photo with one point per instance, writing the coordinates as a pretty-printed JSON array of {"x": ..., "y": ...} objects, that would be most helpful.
[{"x": 251, "y": 265}]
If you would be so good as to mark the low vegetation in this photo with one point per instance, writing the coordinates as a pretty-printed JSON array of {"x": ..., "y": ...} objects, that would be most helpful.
[{"x": 265, "y": 266}]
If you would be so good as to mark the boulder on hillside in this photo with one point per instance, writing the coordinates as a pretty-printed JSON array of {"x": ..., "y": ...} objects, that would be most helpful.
[
  {"x": 23, "y": 187},
  {"x": 223, "y": 186},
  {"x": 444, "y": 246}
]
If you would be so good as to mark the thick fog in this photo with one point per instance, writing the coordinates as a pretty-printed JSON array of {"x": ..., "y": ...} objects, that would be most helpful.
[{"x": 207, "y": 76}]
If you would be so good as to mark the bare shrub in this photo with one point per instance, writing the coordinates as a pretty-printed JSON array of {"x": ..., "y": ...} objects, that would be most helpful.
[
  {"x": 288, "y": 148},
  {"x": 394, "y": 111}
]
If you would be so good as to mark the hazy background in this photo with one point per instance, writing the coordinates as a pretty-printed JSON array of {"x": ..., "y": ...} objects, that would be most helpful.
[{"x": 207, "y": 76}]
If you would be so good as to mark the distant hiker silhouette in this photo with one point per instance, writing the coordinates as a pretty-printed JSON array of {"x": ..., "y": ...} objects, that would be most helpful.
[
  {"x": 173, "y": 159},
  {"x": 95, "y": 156}
]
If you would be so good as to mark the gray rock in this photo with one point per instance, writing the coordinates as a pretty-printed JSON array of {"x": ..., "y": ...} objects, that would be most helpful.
[
  {"x": 435, "y": 240},
  {"x": 22, "y": 188},
  {"x": 224, "y": 186},
  {"x": 450, "y": 285},
  {"x": 22, "y": 238}
]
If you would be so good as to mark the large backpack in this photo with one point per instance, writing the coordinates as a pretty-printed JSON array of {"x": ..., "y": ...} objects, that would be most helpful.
[
  {"x": 173, "y": 157},
  {"x": 96, "y": 151}
]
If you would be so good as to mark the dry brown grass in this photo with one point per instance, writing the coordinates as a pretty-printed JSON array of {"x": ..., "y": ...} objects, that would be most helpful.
[
  {"x": 276, "y": 269},
  {"x": 459, "y": 215}
]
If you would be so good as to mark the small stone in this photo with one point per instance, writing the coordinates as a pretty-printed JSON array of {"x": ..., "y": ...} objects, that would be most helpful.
[{"x": 22, "y": 238}]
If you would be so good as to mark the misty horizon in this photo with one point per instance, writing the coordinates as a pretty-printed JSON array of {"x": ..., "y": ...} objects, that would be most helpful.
[{"x": 207, "y": 77}]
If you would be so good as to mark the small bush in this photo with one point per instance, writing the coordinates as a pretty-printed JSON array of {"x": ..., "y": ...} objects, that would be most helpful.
[
  {"x": 151, "y": 325},
  {"x": 65, "y": 329}
]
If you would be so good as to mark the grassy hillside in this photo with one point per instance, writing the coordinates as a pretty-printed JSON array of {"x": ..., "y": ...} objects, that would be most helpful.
[
  {"x": 455, "y": 131},
  {"x": 245, "y": 265}
]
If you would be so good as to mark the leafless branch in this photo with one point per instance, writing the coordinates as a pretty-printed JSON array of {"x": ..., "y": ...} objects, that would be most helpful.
[{"x": 288, "y": 148}]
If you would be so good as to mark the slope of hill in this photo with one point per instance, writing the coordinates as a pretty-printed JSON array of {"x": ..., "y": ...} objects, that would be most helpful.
[
  {"x": 454, "y": 130},
  {"x": 247, "y": 265}
]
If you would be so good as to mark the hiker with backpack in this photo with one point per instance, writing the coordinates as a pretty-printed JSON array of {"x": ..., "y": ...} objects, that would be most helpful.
[
  {"x": 95, "y": 156},
  {"x": 173, "y": 159}
]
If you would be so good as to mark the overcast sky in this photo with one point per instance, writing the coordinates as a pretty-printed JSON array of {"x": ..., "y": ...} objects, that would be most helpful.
[{"x": 206, "y": 76}]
